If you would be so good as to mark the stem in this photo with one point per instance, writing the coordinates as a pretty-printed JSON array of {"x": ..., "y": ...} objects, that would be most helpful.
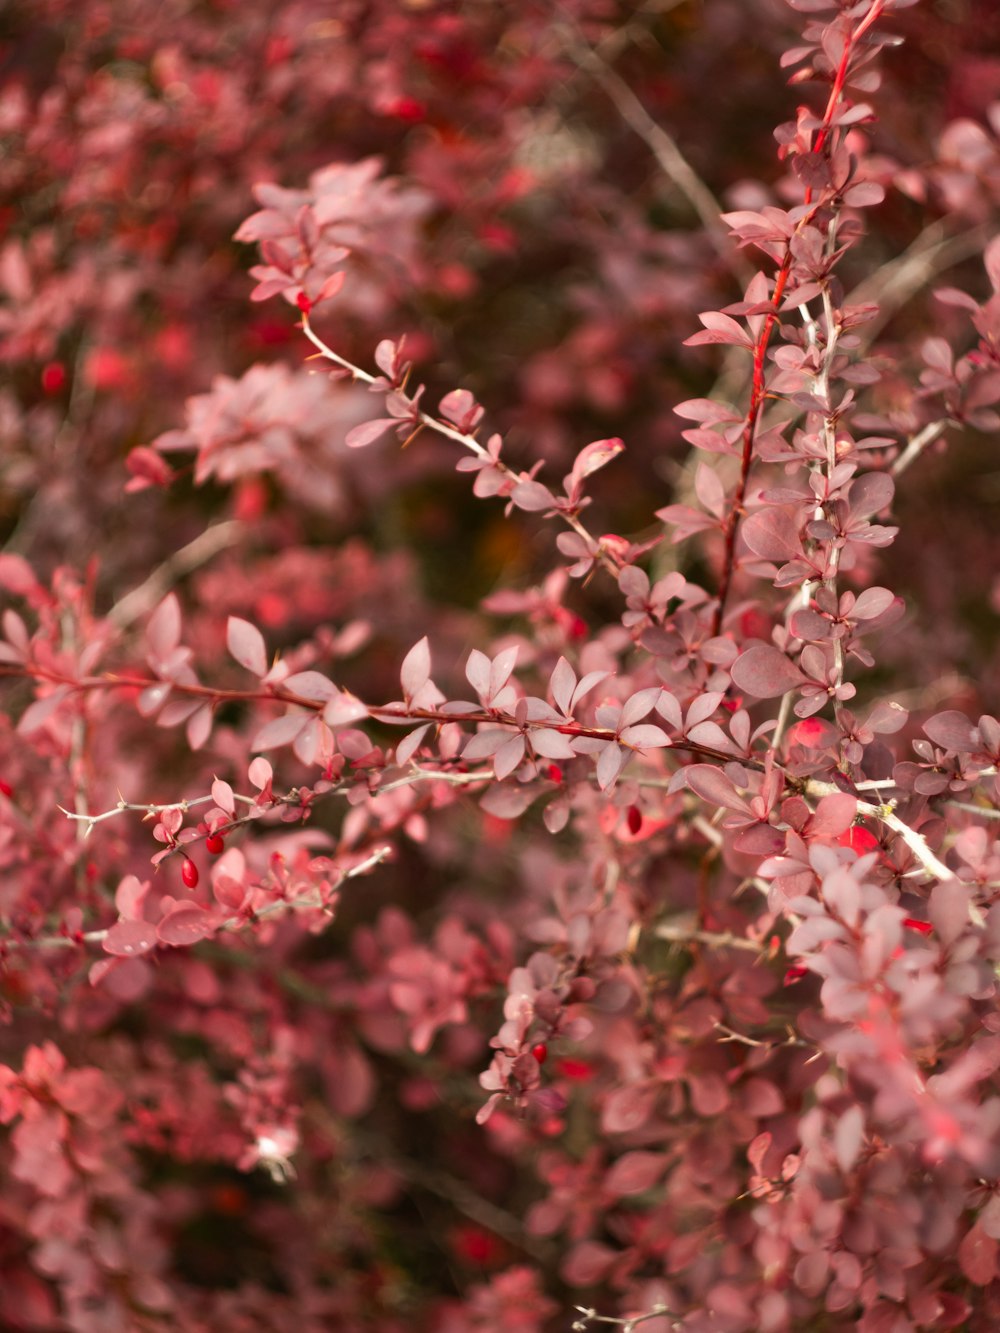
[
  {"x": 596, "y": 549},
  {"x": 758, "y": 387}
]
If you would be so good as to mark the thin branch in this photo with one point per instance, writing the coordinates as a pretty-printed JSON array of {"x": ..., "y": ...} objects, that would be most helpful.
[
  {"x": 715, "y": 939},
  {"x": 596, "y": 549},
  {"x": 663, "y": 146},
  {"x": 895, "y": 283},
  {"x": 190, "y": 557},
  {"x": 921, "y": 441}
]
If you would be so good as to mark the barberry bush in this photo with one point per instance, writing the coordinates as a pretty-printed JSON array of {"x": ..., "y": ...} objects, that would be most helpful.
[{"x": 498, "y": 770}]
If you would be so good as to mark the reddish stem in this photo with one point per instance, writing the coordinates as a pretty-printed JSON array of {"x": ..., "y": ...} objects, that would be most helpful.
[{"x": 758, "y": 388}]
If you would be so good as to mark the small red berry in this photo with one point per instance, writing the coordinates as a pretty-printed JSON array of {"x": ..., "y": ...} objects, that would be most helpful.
[
  {"x": 540, "y": 1051},
  {"x": 53, "y": 377},
  {"x": 6, "y": 788},
  {"x": 921, "y": 927},
  {"x": 634, "y": 820},
  {"x": 215, "y": 844},
  {"x": 303, "y": 302},
  {"x": 189, "y": 873},
  {"x": 554, "y": 773}
]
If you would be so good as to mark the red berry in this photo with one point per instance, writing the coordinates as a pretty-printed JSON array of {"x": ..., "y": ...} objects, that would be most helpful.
[
  {"x": 859, "y": 839},
  {"x": 215, "y": 844},
  {"x": 303, "y": 302},
  {"x": 634, "y": 820},
  {"x": 189, "y": 873},
  {"x": 53, "y": 377},
  {"x": 541, "y": 1052},
  {"x": 921, "y": 927},
  {"x": 554, "y": 773},
  {"x": 6, "y": 788}
]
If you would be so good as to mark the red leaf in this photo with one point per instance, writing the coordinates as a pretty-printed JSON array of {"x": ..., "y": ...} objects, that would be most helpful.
[{"x": 765, "y": 672}]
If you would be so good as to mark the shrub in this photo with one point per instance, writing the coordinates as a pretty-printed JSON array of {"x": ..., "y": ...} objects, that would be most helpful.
[{"x": 564, "y": 904}]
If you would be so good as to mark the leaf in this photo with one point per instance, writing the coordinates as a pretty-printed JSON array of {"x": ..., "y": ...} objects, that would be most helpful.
[
  {"x": 507, "y": 802},
  {"x": 551, "y": 744},
  {"x": 246, "y": 644},
  {"x": 477, "y": 673},
  {"x": 646, "y": 736},
  {"x": 199, "y": 727},
  {"x": 163, "y": 633},
  {"x": 222, "y": 795},
  {"x": 344, "y": 709},
  {"x": 977, "y": 1256},
  {"x": 187, "y": 923},
  {"x": 130, "y": 939},
  {"x": 409, "y": 745},
  {"x": 713, "y": 786},
  {"x": 590, "y": 458},
  {"x": 279, "y": 731},
  {"x": 628, "y": 1108},
  {"x": 634, "y": 1173},
  {"x": 773, "y": 534},
  {"x": 952, "y": 731},
  {"x": 359, "y": 437},
  {"x": 610, "y": 763},
  {"x": 561, "y": 684},
  {"x": 848, "y": 1137},
  {"x": 765, "y": 672},
  {"x": 416, "y": 668},
  {"x": 948, "y": 909},
  {"x": 311, "y": 685},
  {"x": 532, "y": 496},
  {"x": 130, "y": 896},
  {"x": 507, "y": 758},
  {"x": 870, "y": 494}
]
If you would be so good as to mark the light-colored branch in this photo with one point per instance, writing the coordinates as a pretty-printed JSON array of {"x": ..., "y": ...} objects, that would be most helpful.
[
  {"x": 589, "y": 1316},
  {"x": 916, "y": 446},
  {"x": 684, "y": 934},
  {"x": 662, "y": 145},
  {"x": 895, "y": 283},
  {"x": 190, "y": 557}
]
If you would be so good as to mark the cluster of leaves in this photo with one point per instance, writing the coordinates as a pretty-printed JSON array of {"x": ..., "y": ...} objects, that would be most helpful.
[{"x": 645, "y": 955}]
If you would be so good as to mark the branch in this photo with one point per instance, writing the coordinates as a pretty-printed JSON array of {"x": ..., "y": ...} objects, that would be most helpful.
[
  {"x": 190, "y": 557},
  {"x": 671, "y": 160},
  {"x": 595, "y": 547}
]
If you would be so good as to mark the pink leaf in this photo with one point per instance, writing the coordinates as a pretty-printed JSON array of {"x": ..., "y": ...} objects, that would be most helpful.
[
  {"x": 634, "y": 1173},
  {"x": 163, "y": 633},
  {"x": 764, "y": 671},
  {"x": 130, "y": 939},
  {"x": 187, "y": 923},
  {"x": 246, "y": 644},
  {"x": 977, "y": 1256},
  {"x": 359, "y": 437},
  {"x": 222, "y": 795},
  {"x": 416, "y": 668},
  {"x": 952, "y": 731}
]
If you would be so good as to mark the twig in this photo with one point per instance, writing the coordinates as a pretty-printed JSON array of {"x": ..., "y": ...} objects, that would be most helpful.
[
  {"x": 595, "y": 548},
  {"x": 626, "y": 1324},
  {"x": 921, "y": 441},
  {"x": 153, "y": 589},
  {"x": 671, "y": 160},
  {"x": 716, "y": 939},
  {"x": 896, "y": 282}
]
